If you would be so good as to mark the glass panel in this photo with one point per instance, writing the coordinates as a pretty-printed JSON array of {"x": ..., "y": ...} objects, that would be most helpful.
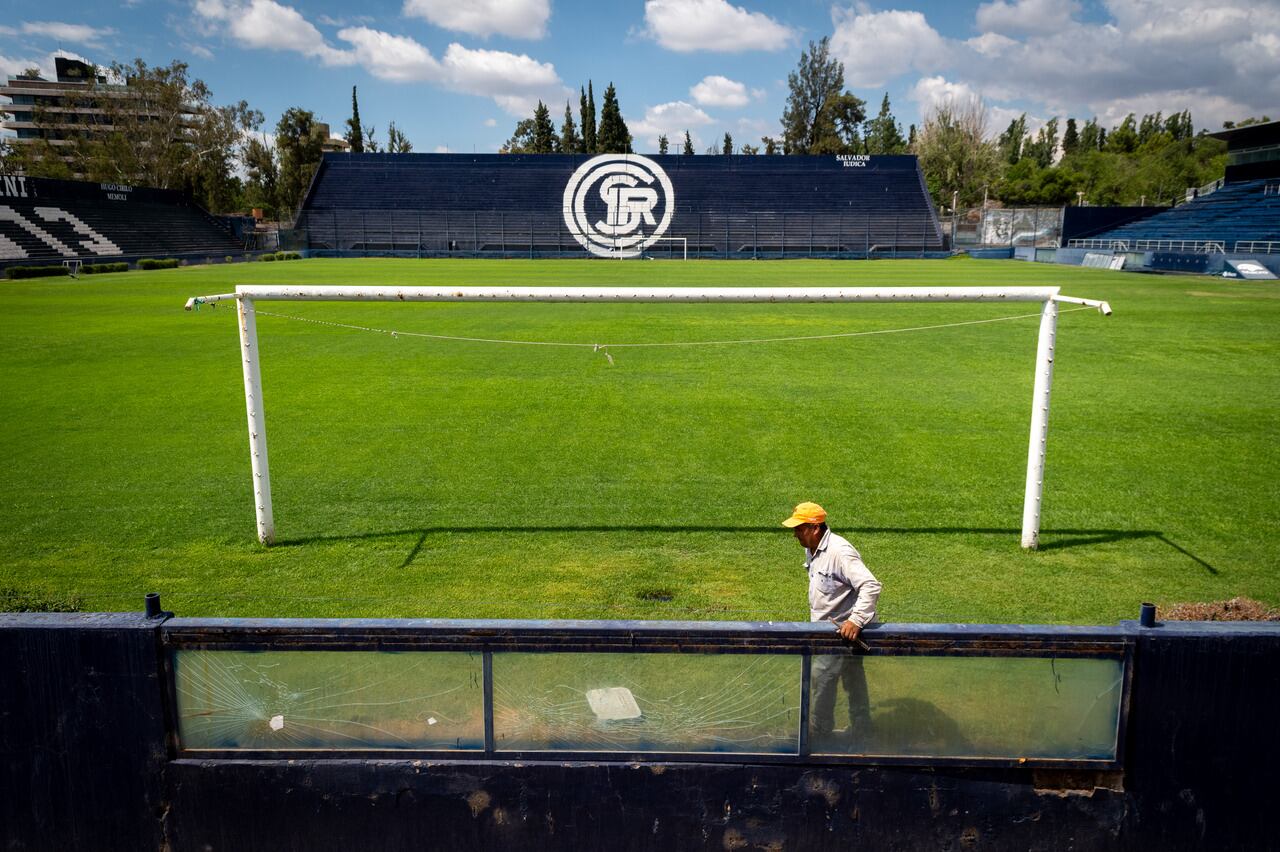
[
  {"x": 276, "y": 700},
  {"x": 1005, "y": 707},
  {"x": 746, "y": 703}
]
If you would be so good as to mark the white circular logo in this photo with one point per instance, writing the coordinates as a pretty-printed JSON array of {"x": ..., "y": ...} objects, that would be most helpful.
[{"x": 617, "y": 205}]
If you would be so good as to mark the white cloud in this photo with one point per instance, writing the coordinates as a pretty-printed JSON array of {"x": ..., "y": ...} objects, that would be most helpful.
[
  {"x": 1025, "y": 16},
  {"x": 720, "y": 91},
  {"x": 686, "y": 26},
  {"x": 198, "y": 50},
  {"x": 877, "y": 46},
  {"x": 74, "y": 33},
  {"x": 514, "y": 18},
  {"x": 390, "y": 57},
  {"x": 673, "y": 119},
  {"x": 514, "y": 81},
  {"x": 1218, "y": 58},
  {"x": 491, "y": 122},
  {"x": 268, "y": 25},
  {"x": 991, "y": 44},
  {"x": 441, "y": 149},
  {"x": 11, "y": 66}
]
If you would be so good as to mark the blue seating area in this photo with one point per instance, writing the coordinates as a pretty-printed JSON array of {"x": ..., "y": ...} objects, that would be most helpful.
[
  {"x": 49, "y": 220},
  {"x": 1238, "y": 212},
  {"x": 724, "y": 206}
]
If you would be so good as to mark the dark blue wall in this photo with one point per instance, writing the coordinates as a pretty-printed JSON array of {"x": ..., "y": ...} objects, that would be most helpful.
[{"x": 87, "y": 764}]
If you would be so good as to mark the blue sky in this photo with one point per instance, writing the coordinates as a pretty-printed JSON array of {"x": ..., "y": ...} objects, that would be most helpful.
[{"x": 455, "y": 74}]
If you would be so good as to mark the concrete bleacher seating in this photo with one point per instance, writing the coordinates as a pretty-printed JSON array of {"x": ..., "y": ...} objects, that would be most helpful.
[
  {"x": 52, "y": 220},
  {"x": 1248, "y": 211},
  {"x": 735, "y": 206}
]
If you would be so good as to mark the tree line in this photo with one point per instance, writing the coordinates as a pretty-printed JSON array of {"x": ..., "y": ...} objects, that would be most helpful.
[
  {"x": 160, "y": 128},
  {"x": 167, "y": 133}
]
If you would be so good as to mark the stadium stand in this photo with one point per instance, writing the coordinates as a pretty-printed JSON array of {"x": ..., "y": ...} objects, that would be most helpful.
[
  {"x": 723, "y": 206},
  {"x": 1235, "y": 216},
  {"x": 45, "y": 221}
]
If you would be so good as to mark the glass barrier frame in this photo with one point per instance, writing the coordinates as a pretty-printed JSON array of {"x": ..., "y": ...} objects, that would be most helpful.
[{"x": 490, "y": 637}]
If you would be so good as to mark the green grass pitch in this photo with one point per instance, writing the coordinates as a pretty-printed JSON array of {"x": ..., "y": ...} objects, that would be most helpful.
[{"x": 446, "y": 479}]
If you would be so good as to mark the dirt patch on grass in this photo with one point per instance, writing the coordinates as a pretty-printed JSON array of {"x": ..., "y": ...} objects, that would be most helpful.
[{"x": 1236, "y": 609}]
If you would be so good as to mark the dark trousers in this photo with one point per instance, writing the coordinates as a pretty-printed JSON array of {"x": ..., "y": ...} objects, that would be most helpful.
[{"x": 827, "y": 671}]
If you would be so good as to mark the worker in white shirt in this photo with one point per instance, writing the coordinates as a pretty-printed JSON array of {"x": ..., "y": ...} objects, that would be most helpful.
[{"x": 844, "y": 592}]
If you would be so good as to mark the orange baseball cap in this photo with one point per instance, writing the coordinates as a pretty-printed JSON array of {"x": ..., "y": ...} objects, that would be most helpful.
[{"x": 806, "y": 513}]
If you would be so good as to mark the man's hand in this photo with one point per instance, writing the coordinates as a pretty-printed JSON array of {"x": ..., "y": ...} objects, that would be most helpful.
[{"x": 849, "y": 630}]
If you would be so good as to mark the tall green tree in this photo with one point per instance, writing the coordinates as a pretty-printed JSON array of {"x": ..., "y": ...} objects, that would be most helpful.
[
  {"x": 614, "y": 137},
  {"x": 521, "y": 141},
  {"x": 883, "y": 133},
  {"x": 397, "y": 142},
  {"x": 1044, "y": 146},
  {"x": 1123, "y": 139},
  {"x": 355, "y": 131},
  {"x": 570, "y": 141},
  {"x": 262, "y": 176},
  {"x": 727, "y": 146},
  {"x": 771, "y": 146},
  {"x": 1089, "y": 140},
  {"x": 544, "y": 132},
  {"x": 1070, "y": 138},
  {"x": 663, "y": 144},
  {"x": 955, "y": 154},
  {"x": 590, "y": 144},
  {"x": 1011, "y": 140},
  {"x": 687, "y": 149},
  {"x": 298, "y": 143},
  {"x": 820, "y": 117}
]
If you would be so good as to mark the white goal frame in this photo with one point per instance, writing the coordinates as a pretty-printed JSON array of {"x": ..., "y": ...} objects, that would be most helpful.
[{"x": 246, "y": 295}]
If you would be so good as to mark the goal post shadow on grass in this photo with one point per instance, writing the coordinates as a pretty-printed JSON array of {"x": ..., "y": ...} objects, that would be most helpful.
[
  {"x": 246, "y": 296},
  {"x": 1060, "y": 539}
]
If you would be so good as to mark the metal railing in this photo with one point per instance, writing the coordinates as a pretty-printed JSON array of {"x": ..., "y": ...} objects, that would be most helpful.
[
  {"x": 1187, "y": 246},
  {"x": 1194, "y": 192},
  {"x": 1257, "y": 246}
]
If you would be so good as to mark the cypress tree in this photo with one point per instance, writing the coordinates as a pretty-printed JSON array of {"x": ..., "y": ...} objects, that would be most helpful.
[
  {"x": 613, "y": 136},
  {"x": 544, "y": 132},
  {"x": 1070, "y": 139},
  {"x": 570, "y": 141},
  {"x": 588, "y": 113},
  {"x": 727, "y": 148},
  {"x": 688, "y": 144},
  {"x": 355, "y": 133},
  {"x": 663, "y": 144}
]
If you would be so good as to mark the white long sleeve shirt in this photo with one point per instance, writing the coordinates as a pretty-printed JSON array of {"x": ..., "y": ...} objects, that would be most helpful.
[{"x": 840, "y": 585}]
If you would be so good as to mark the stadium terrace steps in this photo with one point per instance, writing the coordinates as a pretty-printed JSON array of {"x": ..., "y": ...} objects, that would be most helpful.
[
  {"x": 724, "y": 206},
  {"x": 150, "y": 222},
  {"x": 1237, "y": 212}
]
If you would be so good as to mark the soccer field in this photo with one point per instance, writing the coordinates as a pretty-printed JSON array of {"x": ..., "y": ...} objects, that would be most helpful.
[{"x": 433, "y": 478}]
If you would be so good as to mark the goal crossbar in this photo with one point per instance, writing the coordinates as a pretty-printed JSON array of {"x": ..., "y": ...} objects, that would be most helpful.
[{"x": 245, "y": 296}]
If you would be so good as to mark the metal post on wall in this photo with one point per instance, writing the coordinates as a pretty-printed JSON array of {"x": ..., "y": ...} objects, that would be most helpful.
[{"x": 755, "y": 236}]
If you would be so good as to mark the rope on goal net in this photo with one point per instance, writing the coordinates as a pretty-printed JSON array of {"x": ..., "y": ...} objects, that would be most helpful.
[{"x": 605, "y": 347}]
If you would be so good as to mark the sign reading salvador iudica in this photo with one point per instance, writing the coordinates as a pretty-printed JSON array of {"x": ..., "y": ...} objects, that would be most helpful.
[{"x": 617, "y": 205}]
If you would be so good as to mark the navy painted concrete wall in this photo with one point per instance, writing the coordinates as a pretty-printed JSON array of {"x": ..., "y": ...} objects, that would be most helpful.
[{"x": 88, "y": 764}]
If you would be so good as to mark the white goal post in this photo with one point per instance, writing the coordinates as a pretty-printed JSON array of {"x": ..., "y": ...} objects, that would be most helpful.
[{"x": 247, "y": 294}]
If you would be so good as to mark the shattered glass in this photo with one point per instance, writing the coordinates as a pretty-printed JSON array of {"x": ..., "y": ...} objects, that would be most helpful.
[
  {"x": 730, "y": 703},
  {"x": 979, "y": 707},
  {"x": 298, "y": 700}
]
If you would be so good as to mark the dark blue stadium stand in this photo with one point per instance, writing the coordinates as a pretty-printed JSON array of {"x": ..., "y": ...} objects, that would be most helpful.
[
  {"x": 132, "y": 222},
  {"x": 1248, "y": 211},
  {"x": 495, "y": 205}
]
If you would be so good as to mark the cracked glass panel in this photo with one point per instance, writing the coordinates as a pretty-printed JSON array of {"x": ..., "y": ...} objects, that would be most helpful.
[
  {"x": 295, "y": 700},
  {"x": 984, "y": 707},
  {"x": 732, "y": 703}
]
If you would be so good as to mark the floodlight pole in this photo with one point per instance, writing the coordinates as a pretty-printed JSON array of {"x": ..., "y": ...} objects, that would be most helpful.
[
  {"x": 257, "y": 419},
  {"x": 1039, "y": 443}
]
